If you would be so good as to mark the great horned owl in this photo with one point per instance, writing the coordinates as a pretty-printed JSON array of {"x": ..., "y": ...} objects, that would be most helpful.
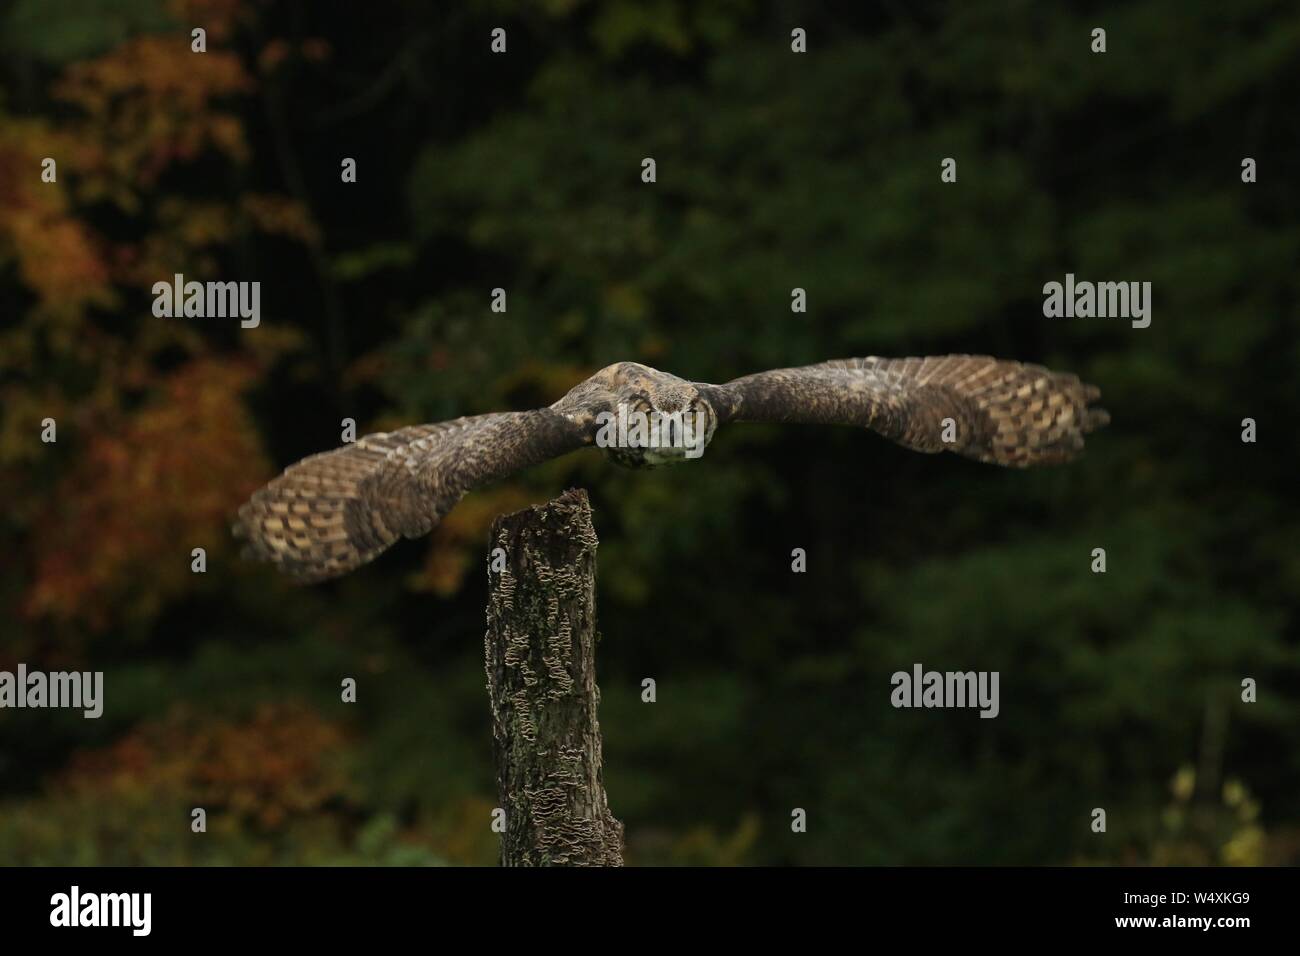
[{"x": 337, "y": 510}]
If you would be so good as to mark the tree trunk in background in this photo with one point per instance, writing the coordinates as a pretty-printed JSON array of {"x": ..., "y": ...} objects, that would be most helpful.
[{"x": 540, "y": 654}]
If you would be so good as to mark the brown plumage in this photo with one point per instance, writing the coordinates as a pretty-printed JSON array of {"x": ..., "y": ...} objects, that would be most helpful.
[{"x": 337, "y": 510}]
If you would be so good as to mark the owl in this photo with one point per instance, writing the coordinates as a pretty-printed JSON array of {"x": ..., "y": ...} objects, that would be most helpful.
[{"x": 332, "y": 512}]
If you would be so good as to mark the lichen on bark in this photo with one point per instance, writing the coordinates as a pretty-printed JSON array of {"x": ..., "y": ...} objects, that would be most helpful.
[{"x": 540, "y": 658}]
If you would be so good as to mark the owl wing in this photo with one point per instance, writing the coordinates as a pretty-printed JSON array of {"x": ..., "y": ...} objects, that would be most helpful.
[
  {"x": 337, "y": 510},
  {"x": 995, "y": 411}
]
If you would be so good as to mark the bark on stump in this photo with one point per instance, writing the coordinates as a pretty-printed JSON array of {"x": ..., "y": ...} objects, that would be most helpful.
[{"x": 540, "y": 655}]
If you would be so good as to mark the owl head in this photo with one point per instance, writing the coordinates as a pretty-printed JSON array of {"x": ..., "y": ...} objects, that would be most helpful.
[{"x": 656, "y": 419}]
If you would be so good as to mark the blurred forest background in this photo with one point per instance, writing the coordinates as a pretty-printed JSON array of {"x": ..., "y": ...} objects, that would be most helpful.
[{"x": 775, "y": 170}]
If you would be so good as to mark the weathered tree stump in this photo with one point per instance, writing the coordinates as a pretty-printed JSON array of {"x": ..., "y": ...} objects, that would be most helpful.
[{"x": 541, "y": 669}]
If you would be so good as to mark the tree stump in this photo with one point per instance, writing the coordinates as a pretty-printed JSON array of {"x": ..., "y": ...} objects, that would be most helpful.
[{"x": 540, "y": 656}]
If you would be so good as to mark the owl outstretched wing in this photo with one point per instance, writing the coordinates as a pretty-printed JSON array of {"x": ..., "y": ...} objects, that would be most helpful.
[
  {"x": 332, "y": 512},
  {"x": 337, "y": 510},
  {"x": 992, "y": 410}
]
